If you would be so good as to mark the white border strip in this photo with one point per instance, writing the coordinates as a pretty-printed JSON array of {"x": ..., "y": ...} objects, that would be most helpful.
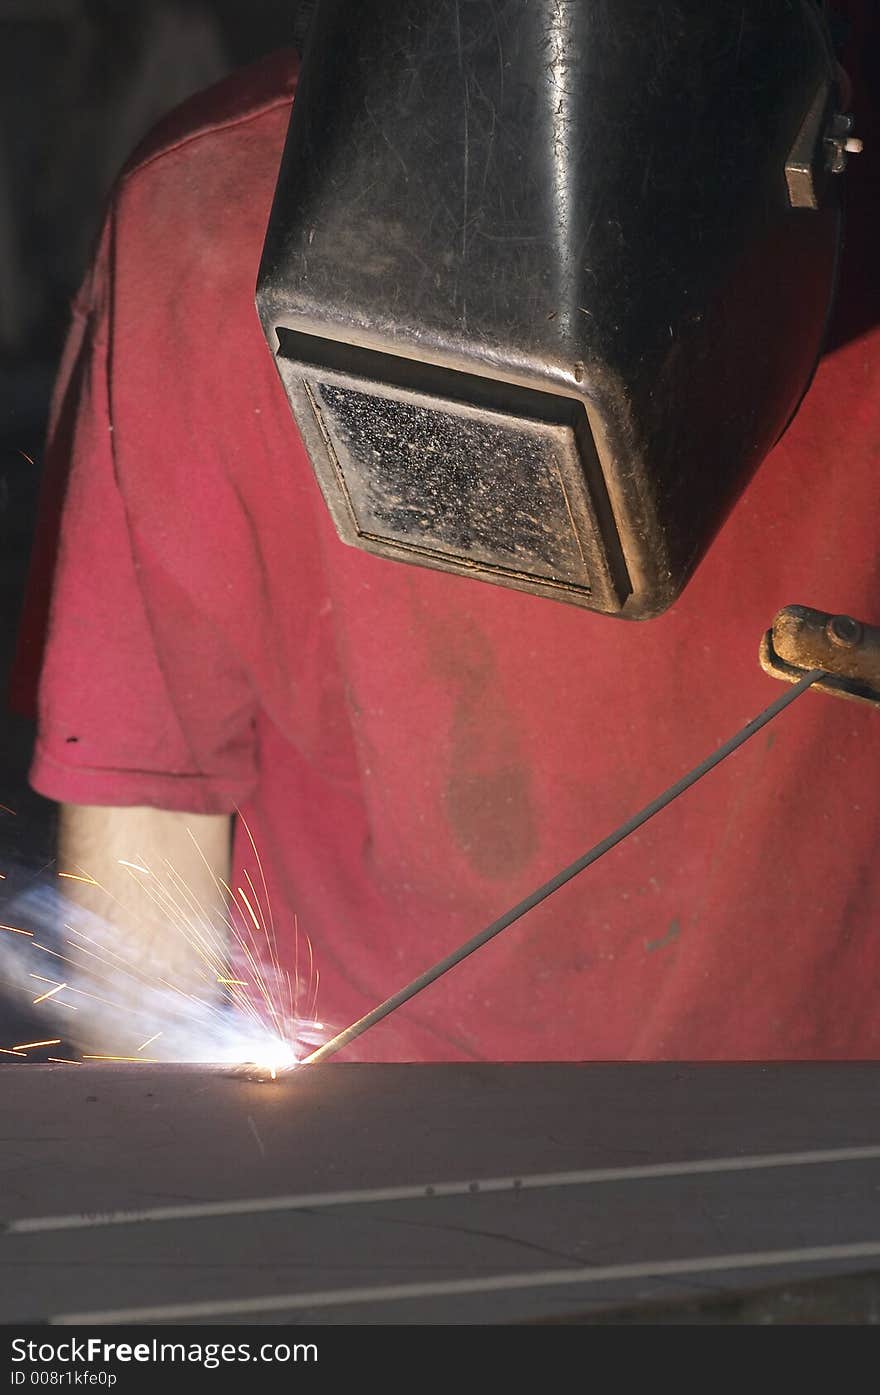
[
  {"x": 248, "y": 1206},
  {"x": 496, "y": 1283}
]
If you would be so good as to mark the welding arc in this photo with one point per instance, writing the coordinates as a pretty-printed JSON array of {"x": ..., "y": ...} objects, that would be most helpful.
[{"x": 522, "y": 907}]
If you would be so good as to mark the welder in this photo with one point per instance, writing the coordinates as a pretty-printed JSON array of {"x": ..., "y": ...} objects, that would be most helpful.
[{"x": 426, "y": 571}]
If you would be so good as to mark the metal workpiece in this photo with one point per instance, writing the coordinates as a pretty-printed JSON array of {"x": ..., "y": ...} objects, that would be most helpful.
[
  {"x": 850, "y": 1300},
  {"x": 534, "y": 283},
  {"x": 847, "y": 650},
  {"x": 459, "y": 1193}
]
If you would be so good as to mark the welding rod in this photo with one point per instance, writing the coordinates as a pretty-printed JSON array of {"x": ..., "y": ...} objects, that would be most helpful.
[{"x": 522, "y": 907}]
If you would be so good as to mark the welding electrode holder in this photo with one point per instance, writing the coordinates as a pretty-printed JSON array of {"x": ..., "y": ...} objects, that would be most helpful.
[{"x": 847, "y": 650}]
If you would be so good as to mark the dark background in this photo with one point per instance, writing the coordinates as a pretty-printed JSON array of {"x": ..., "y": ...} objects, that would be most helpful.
[{"x": 80, "y": 82}]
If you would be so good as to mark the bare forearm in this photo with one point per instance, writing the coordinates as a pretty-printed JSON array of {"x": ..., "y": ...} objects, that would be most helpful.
[
  {"x": 189, "y": 852},
  {"x": 147, "y": 885}
]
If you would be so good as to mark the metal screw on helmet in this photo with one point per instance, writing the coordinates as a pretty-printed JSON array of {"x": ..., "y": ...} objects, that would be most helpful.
[
  {"x": 845, "y": 632},
  {"x": 839, "y": 143}
]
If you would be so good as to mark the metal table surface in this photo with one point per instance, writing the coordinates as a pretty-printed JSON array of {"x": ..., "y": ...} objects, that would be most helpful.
[{"x": 427, "y": 1194}]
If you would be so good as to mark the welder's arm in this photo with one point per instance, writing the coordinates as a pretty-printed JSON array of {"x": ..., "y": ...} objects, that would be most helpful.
[{"x": 150, "y": 917}]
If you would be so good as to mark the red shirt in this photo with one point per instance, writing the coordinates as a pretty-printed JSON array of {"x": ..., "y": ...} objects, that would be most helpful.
[{"x": 412, "y": 751}]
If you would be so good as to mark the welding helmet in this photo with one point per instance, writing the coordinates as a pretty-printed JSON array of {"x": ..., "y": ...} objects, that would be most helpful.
[{"x": 545, "y": 280}]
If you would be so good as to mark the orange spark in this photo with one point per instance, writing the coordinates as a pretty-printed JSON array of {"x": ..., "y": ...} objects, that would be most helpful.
[
  {"x": 73, "y": 877},
  {"x": 26, "y": 1046},
  {"x": 233, "y": 982}
]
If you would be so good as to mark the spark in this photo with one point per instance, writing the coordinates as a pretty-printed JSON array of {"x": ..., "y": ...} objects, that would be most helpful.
[
  {"x": 24, "y": 455},
  {"x": 14, "y": 930},
  {"x": 51, "y": 994},
  {"x": 26, "y": 1046},
  {"x": 6, "y": 809},
  {"x": 150, "y": 1061},
  {"x": 250, "y": 908},
  {"x": 63, "y": 1061},
  {"x": 270, "y": 931},
  {"x": 6, "y": 1052},
  {"x": 225, "y": 933},
  {"x": 244, "y": 823},
  {"x": 253, "y": 961},
  {"x": 194, "y": 934},
  {"x": 132, "y": 972}
]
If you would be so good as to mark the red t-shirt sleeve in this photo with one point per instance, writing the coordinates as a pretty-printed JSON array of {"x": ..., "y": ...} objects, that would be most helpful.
[{"x": 110, "y": 726}]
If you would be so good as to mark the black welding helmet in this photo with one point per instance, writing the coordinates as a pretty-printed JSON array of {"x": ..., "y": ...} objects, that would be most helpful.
[{"x": 546, "y": 279}]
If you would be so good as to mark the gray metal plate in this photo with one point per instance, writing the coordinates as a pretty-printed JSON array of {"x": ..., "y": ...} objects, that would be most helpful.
[{"x": 722, "y": 1179}]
